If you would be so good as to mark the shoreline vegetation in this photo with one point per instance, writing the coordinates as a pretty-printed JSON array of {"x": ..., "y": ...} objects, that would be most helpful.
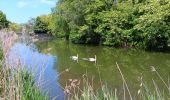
[
  {"x": 116, "y": 23},
  {"x": 18, "y": 84},
  {"x": 74, "y": 92},
  {"x": 141, "y": 24}
]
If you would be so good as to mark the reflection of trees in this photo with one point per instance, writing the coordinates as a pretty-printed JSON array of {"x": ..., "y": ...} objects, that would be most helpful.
[
  {"x": 132, "y": 63},
  {"x": 41, "y": 45}
]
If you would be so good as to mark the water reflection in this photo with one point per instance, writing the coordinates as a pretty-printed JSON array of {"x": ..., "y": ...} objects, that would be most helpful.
[
  {"x": 41, "y": 65},
  {"x": 133, "y": 63}
]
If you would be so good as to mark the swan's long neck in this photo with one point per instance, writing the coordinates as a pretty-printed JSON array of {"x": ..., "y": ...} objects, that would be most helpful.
[
  {"x": 95, "y": 57},
  {"x": 77, "y": 58}
]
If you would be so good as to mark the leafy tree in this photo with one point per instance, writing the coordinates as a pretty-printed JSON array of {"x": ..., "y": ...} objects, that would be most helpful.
[
  {"x": 40, "y": 26},
  {"x": 43, "y": 24},
  {"x": 15, "y": 27},
  {"x": 3, "y": 21},
  {"x": 154, "y": 24},
  {"x": 118, "y": 23}
]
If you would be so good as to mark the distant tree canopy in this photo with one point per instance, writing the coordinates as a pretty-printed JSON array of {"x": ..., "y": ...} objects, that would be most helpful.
[
  {"x": 42, "y": 24},
  {"x": 15, "y": 27},
  {"x": 118, "y": 23},
  {"x": 3, "y": 21}
]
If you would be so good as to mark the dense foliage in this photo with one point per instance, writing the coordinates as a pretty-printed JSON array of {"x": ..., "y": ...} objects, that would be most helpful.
[
  {"x": 42, "y": 24},
  {"x": 15, "y": 27},
  {"x": 119, "y": 23},
  {"x": 3, "y": 21}
]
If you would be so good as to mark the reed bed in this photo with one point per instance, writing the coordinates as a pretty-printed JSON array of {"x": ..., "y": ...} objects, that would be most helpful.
[
  {"x": 74, "y": 90},
  {"x": 16, "y": 83}
]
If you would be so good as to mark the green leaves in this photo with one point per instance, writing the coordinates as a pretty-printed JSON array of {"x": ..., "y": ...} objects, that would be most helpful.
[
  {"x": 15, "y": 27},
  {"x": 43, "y": 24},
  {"x": 116, "y": 23},
  {"x": 154, "y": 24},
  {"x": 3, "y": 21}
]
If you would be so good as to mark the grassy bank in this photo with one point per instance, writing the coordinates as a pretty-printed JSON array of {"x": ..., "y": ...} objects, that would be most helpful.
[
  {"x": 16, "y": 83},
  {"x": 19, "y": 85},
  {"x": 1, "y": 74}
]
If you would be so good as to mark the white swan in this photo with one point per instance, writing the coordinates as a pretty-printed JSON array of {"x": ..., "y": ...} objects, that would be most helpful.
[
  {"x": 74, "y": 57},
  {"x": 93, "y": 59}
]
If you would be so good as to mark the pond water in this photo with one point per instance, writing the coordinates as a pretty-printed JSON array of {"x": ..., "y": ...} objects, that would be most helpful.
[{"x": 55, "y": 55}]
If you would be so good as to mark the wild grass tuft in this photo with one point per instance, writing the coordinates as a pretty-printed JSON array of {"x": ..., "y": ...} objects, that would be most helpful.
[
  {"x": 16, "y": 83},
  {"x": 86, "y": 91}
]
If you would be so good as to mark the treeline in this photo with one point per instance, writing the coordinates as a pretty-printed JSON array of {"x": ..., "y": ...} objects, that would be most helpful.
[
  {"x": 4, "y": 23},
  {"x": 119, "y": 23}
]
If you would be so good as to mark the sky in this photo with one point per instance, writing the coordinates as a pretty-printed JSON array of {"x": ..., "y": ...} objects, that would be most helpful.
[{"x": 20, "y": 11}]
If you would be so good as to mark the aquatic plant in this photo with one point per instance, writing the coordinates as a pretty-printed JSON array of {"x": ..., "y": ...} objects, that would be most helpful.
[
  {"x": 16, "y": 83},
  {"x": 86, "y": 91}
]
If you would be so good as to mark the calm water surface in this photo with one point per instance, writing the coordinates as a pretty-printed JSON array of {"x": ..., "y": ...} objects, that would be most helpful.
[{"x": 55, "y": 56}]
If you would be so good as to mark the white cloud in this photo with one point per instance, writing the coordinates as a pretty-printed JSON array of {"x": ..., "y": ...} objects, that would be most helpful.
[
  {"x": 22, "y": 4},
  {"x": 49, "y": 2}
]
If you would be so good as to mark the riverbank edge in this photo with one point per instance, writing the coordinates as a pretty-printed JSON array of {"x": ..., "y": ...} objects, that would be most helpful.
[
  {"x": 47, "y": 37},
  {"x": 16, "y": 83},
  {"x": 88, "y": 93}
]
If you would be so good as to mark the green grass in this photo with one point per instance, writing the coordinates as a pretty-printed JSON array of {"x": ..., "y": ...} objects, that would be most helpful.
[
  {"x": 74, "y": 91},
  {"x": 18, "y": 84},
  {"x": 1, "y": 74},
  {"x": 23, "y": 87},
  {"x": 30, "y": 90},
  {"x": 105, "y": 93}
]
